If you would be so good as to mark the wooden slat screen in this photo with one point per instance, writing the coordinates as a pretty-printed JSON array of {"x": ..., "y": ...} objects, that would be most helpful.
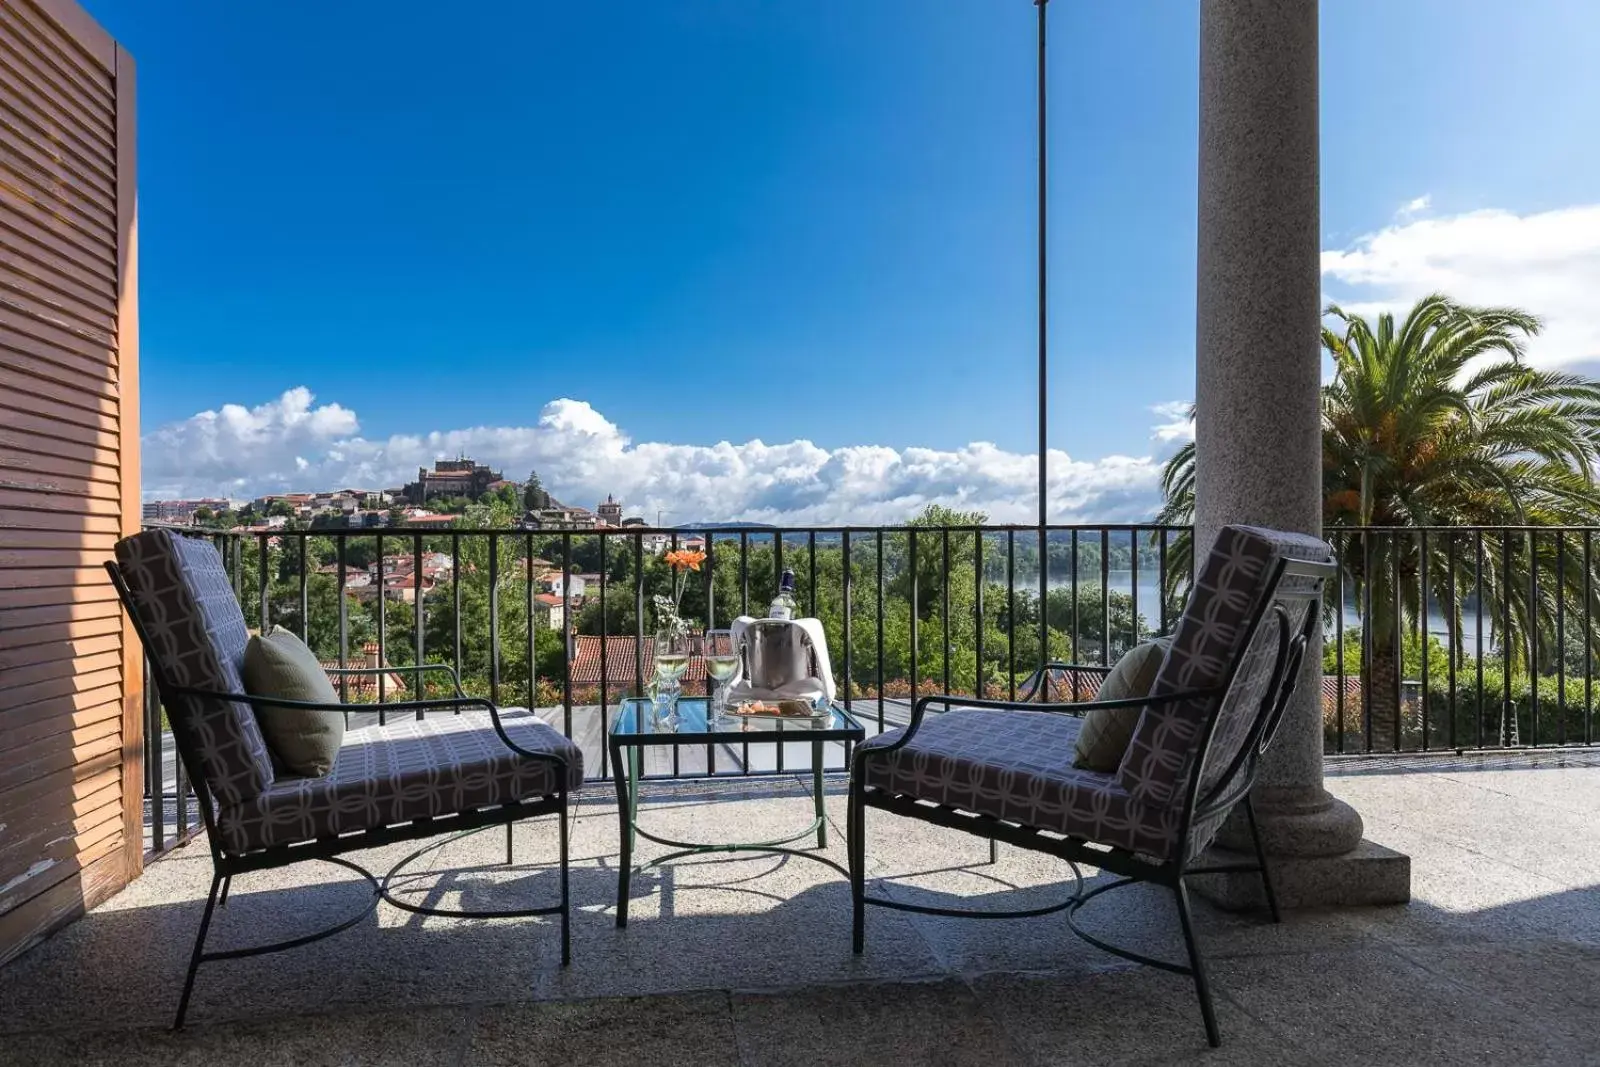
[{"x": 71, "y": 828}]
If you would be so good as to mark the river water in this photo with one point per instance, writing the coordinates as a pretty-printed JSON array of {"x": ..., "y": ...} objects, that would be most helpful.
[{"x": 1149, "y": 607}]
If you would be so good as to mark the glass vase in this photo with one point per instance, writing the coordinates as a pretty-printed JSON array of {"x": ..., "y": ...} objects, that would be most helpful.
[{"x": 670, "y": 655}]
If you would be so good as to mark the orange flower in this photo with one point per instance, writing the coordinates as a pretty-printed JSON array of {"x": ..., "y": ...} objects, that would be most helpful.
[{"x": 685, "y": 559}]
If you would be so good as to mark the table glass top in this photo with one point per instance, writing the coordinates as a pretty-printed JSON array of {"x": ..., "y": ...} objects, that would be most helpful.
[{"x": 636, "y": 717}]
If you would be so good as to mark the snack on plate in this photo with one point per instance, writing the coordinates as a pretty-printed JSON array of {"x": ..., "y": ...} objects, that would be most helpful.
[{"x": 783, "y": 709}]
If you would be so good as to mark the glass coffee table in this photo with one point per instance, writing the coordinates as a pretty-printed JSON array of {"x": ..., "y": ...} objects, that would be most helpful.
[{"x": 634, "y": 729}]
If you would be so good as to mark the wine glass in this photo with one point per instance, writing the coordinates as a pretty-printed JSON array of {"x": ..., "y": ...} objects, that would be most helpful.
[{"x": 722, "y": 663}]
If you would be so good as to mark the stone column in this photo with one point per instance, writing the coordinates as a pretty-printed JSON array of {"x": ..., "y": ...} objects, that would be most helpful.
[{"x": 1257, "y": 428}]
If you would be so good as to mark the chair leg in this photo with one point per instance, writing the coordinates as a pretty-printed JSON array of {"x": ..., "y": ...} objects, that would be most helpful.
[
  {"x": 217, "y": 881},
  {"x": 994, "y": 851},
  {"x": 509, "y": 827},
  {"x": 1261, "y": 858},
  {"x": 227, "y": 884},
  {"x": 566, "y": 898},
  {"x": 856, "y": 830},
  {"x": 1197, "y": 965}
]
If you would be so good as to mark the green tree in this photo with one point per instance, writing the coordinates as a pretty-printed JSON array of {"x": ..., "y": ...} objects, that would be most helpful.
[
  {"x": 534, "y": 497},
  {"x": 1436, "y": 420}
]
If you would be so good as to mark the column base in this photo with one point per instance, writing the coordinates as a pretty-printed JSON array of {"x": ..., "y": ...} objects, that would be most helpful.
[{"x": 1367, "y": 874}]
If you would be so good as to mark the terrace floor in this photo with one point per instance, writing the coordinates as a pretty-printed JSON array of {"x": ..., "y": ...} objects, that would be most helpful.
[{"x": 747, "y": 961}]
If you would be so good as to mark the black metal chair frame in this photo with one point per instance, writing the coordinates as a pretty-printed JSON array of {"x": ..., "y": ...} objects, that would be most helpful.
[
  {"x": 225, "y": 865},
  {"x": 1230, "y": 788}
]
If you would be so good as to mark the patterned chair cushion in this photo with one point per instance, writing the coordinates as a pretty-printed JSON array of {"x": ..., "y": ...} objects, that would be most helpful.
[
  {"x": 413, "y": 769},
  {"x": 1016, "y": 765},
  {"x": 197, "y": 637},
  {"x": 1208, "y": 637}
]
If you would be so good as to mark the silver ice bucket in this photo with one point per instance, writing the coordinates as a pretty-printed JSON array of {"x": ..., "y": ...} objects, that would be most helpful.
[{"x": 777, "y": 653}]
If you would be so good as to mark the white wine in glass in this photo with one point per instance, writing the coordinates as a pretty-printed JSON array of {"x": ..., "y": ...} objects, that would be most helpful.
[
  {"x": 671, "y": 665},
  {"x": 722, "y": 666}
]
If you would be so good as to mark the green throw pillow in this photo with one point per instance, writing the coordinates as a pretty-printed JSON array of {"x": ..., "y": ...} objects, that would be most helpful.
[
  {"x": 1107, "y": 731},
  {"x": 302, "y": 742}
]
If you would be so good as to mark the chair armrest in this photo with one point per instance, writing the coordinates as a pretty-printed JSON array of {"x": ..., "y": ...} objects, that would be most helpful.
[
  {"x": 919, "y": 709},
  {"x": 442, "y": 704},
  {"x": 1032, "y": 683}
]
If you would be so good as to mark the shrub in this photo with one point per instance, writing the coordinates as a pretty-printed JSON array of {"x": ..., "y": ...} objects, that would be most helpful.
[{"x": 1475, "y": 718}]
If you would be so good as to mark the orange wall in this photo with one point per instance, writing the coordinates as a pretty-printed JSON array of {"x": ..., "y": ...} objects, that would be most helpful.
[{"x": 71, "y": 697}]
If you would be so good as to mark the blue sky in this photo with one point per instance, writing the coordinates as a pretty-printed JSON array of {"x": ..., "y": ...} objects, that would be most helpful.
[{"x": 714, "y": 220}]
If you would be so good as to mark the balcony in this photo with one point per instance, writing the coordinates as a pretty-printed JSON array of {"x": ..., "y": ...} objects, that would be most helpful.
[
  {"x": 1456, "y": 713},
  {"x": 731, "y": 961},
  {"x": 739, "y": 959},
  {"x": 1428, "y": 633}
]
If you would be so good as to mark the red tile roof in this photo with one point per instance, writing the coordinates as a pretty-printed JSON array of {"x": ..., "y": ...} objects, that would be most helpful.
[
  {"x": 394, "y": 685},
  {"x": 620, "y": 662}
]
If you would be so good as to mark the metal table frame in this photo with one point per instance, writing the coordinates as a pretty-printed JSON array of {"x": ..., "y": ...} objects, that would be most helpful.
[{"x": 627, "y": 772}]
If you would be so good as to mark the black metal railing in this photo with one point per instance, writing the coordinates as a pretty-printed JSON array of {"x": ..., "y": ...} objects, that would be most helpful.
[
  {"x": 1459, "y": 638},
  {"x": 1437, "y": 638}
]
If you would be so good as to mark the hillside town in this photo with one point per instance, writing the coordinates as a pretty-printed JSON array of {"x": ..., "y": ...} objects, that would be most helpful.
[
  {"x": 436, "y": 499},
  {"x": 410, "y": 570}
]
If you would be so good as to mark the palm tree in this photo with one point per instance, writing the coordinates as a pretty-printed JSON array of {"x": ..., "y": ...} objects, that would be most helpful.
[{"x": 1439, "y": 422}]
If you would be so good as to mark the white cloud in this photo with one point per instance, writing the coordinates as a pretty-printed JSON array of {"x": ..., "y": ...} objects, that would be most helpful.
[
  {"x": 1176, "y": 427},
  {"x": 1546, "y": 262},
  {"x": 1414, "y": 207},
  {"x": 290, "y": 444}
]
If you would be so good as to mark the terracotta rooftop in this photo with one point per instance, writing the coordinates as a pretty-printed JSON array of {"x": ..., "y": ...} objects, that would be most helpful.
[
  {"x": 620, "y": 659},
  {"x": 394, "y": 685}
]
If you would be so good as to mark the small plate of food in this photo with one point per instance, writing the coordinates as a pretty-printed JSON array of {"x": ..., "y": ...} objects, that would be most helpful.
[{"x": 779, "y": 709}]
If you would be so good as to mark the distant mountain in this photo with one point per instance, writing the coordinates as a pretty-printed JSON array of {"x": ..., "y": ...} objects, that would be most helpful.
[{"x": 703, "y": 526}]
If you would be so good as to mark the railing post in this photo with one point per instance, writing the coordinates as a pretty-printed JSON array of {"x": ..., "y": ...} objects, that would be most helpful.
[
  {"x": 916, "y": 660},
  {"x": 981, "y": 670},
  {"x": 567, "y": 631},
  {"x": 638, "y": 620},
  {"x": 418, "y": 685},
  {"x": 849, "y": 659},
  {"x": 380, "y": 682},
  {"x": 344, "y": 619},
  {"x": 944, "y": 604},
  {"x": 879, "y": 539},
  {"x": 494, "y": 618},
  {"x": 1340, "y": 555},
  {"x": 1011, "y": 607},
  {"x": 527, "y": 578}
]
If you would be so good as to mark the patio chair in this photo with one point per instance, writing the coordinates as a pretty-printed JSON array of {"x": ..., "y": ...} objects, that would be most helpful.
[
  {"x": 420, "y": 776},
  {"x": 1004, "y": 770}
]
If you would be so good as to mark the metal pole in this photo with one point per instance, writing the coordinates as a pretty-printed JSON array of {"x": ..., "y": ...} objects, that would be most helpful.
[
  {"x": 1043, "y": 334},
  {"x": 1044, "y": 359}
]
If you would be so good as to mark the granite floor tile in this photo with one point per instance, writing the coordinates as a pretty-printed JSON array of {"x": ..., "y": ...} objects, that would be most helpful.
[
  {"x": 1377, "y": 1007},
  {"x": 1128, "y": 1016},
  {"x": 1553, "y": 984},
  {"x": 746, "y": 959},
  {"x": 692, "y": 1030},
  {"x": 936, "y": 1024},
  {"x": 400, "y": 1039}
]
